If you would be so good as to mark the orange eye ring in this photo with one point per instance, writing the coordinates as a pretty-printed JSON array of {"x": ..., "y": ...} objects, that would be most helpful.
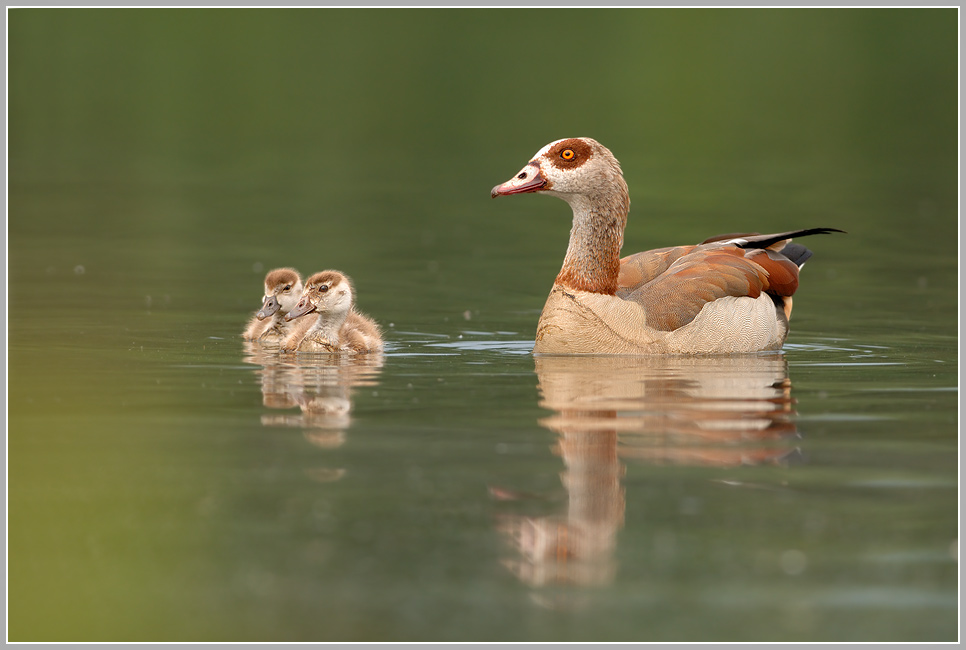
[{"x": 567, "y": 154}]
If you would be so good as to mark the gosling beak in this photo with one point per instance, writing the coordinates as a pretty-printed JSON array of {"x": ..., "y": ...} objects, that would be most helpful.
[
  {"x": 528, "y": 180},
  {"x": 269, "y": 307},
  {"x": 305, "y": 306}
]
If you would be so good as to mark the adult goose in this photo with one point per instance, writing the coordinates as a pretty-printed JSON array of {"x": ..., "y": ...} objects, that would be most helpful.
[
  {"x": 728, "y": 294},
  {"x": 337, "y": 327}
]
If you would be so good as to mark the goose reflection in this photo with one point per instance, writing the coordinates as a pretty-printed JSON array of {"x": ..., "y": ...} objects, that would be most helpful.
[
  {"x": 698, "y": 411},
  {"x": 319, "y": 386}
]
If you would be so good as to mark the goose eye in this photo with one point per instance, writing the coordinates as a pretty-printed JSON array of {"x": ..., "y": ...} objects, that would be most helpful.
[{"x": 567, "y": 154}]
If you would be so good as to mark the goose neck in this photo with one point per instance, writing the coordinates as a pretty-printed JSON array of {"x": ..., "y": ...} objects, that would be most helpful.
[{"x": 592, "y": 262}]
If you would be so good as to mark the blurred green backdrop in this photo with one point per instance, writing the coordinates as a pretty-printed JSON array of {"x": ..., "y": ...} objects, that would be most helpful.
[
  {"x": 161, "y": 160},
  {"x": 368, "y": 139}
]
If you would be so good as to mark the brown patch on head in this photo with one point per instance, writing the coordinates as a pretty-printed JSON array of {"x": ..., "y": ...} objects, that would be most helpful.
[
  {"x": 278, "y": 278},
  {"x": 327, "y": 279},
  {"x": 569, "y": 154}
]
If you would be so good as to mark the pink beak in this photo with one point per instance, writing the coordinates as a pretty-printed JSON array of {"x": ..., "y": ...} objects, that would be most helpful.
[{"x": 528, "y": 180}]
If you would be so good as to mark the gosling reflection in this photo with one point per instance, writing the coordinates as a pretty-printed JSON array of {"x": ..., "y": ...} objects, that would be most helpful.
[
  {"x": 699, "y": 411},
  {"x": 320, "y": 386}
]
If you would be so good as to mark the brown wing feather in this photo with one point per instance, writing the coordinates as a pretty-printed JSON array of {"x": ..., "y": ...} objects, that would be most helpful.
[
  {"x": 675, "y": 296},
  {"x": 673, "y": 284},
  {"x": 782, "y": 272},
  {"x": 641, "y": 268}
]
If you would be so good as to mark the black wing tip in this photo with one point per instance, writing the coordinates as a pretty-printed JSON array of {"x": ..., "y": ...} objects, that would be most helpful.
[
  {"x": 821, "y": 231},
  {"x": 764, "y": 241},
  {"x": 798, "y": 253},
  {"x": 806, "y": 232}
]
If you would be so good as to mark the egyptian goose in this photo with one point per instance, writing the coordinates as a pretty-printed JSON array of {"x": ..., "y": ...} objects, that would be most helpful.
[
  {"x": 283, "y": 287},
  {"x": 338, "y": 326},
  {"x": 729, "y": 294}
]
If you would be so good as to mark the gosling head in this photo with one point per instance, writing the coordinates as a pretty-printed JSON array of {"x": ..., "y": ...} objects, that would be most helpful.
[
  {"x": 326, "y": 292},
  {"x": 282, "y": 290},
  {"x": 568, "y": 168}
]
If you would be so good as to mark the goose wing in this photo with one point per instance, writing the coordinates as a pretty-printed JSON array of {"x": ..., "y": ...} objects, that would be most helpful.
[{"x": 674, "y": 284}]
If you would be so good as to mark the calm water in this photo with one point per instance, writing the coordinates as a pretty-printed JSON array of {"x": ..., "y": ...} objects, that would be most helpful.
[{"x": 167, "y": 483}]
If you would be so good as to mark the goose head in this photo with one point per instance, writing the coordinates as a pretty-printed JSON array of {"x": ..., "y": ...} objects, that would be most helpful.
[
  {"x": 326, "y": 292},
  {"x": 282, "y": 290},
  {"x": 575, "y": 169}
]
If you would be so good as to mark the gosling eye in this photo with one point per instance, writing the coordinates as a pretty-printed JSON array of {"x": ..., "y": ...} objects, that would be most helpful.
[
  {"x": 286, "y": 287},
  {"x": 323, "y": 288},
  {"x": 567, "y": 154}
]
